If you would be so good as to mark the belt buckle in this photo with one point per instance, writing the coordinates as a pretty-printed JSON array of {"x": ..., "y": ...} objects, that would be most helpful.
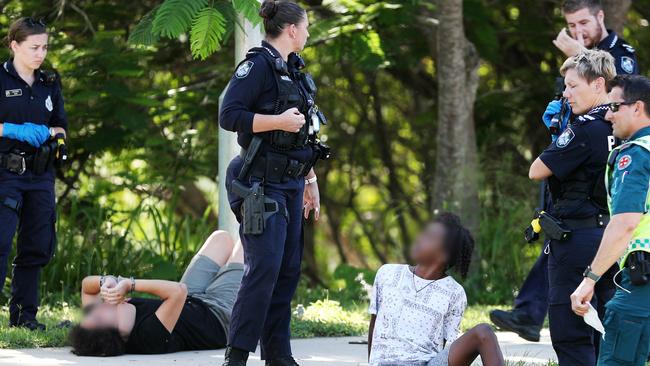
[{"x": 14, "y": 160}]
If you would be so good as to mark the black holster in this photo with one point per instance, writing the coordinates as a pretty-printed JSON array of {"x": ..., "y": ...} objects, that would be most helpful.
[
  {"x": 45, "y": 157},
  {"x": 639, "y": 265},
  {"x": 256, "y": 208}
]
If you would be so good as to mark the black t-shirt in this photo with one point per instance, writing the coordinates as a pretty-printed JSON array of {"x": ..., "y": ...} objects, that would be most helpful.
[
  {"x": 582, "y": 148},
  {"x": 197, "y": 329}
]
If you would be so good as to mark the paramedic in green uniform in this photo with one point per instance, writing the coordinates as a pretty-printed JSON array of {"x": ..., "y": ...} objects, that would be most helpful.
[{"x": 627, "y": 237}]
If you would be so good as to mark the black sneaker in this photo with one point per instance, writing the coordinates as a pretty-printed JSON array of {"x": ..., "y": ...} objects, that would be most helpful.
[
  {"x": 235, "y": 357},
  {"x": 513, "y": 321},
  {"x": 284, "y": 361},
  {"x": 31, "y": 325}
]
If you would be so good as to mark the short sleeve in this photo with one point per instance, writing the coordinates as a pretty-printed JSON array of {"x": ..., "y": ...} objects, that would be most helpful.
[
  {"x": 631, "y": 181},
  {"x": 568, "y": 152},
  {"x": 453, "y": 318},
  {"x": 243, "y": 92},
  {"x": 375, "y": 296},
  {"x": 58, "y": 118},
  {"x": 150, "y": 336}
]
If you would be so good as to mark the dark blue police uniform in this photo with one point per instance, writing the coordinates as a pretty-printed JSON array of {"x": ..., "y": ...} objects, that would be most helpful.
[
  {"x": 532, "y": 299},
  {"x": 578, "y": 160},
  {"x": 624, "y": 54},
  {"x": 263, "y": 83},
  {"x": 27, "y": 201}
]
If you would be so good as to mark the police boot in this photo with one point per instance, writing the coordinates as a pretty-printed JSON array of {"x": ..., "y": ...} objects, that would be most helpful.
[
  {"x": 284, "y": 361},
  {"x": 235, "y": 357},
  {"x": 517, "y": 322},
  {"x": 31, "y": 324}
]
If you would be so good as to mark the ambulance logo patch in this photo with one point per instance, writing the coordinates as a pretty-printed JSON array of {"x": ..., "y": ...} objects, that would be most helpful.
[
  {"x": 627, "y": 64},
  {"x": 13, "y": 93},
  {"x": 244, "y": 69},
  {"x": 48, "y": 104},
  {"x": 565, "y": 138},
  {"x": 624, "y": 162}
]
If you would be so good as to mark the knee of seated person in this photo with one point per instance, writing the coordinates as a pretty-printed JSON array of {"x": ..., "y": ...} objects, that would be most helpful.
[
  {"x": 97, "y": 342},
  {"x": 483, "y": 332}
]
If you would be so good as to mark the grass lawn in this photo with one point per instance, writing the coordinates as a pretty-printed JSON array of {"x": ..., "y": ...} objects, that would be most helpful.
[{"x": 321, "y": 319}]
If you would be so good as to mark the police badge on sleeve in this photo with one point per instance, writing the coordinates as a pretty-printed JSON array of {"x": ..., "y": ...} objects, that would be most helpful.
[
  {"x": 565, "y": 138},
  {"x": 627, "y": 64},
  {"x": 48, "y": 103},
  {"x": 244, "y": 69}
]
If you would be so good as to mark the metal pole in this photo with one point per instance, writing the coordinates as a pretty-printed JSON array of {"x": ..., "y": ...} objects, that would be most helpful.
[{"x": 246, "y": 37}]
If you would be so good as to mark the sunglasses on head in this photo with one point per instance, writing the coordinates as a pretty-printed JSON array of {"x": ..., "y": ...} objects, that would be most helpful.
[
  {"x": 33, "y": 22},
  {"x": 615, "y": 106}
]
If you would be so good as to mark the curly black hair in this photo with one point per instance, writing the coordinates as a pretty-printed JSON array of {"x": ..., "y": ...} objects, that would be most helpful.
[
  {"x": 101, "y": 342},
  {"x": 458, "y": 242}
]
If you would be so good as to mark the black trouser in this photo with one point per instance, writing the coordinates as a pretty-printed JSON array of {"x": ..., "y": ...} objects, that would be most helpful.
[
  {"x": 36, "y": 237},
  {"x": 575, "y": 342}
]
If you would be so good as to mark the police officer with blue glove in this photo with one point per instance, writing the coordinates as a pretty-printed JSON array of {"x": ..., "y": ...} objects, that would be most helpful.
[
  {"x": 31, "y": 115},
  {"x": 272, "y": 186},
  {"x": 586, "y": 30},
  {"x": 574, "y": 166},
  {"x": 627, "y": 237}
]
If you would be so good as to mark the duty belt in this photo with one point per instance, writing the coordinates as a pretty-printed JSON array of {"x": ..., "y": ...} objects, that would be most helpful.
[
  {"x": 15, "y": 163},
  {"x": 276, "y": 168},
  {"x": 598, "y": 221}
]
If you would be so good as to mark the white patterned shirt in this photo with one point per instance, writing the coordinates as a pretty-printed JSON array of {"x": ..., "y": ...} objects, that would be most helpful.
[{"x": 413, "y": 327}]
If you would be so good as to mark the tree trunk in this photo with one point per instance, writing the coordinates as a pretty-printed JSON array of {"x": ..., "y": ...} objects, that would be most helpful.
[
  {"x": 616, "y": 14},
  {"x": 456, "y": 178}
]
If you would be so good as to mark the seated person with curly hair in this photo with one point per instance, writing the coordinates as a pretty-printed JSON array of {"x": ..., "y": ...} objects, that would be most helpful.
[
  {"x": 416, "y": 310},
  {"x": 192, "y": 314}
]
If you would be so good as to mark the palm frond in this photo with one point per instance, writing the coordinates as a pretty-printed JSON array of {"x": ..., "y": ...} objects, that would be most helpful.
[
  {"x": 175, "y": 16},
  {"x": 208, "y": 29},
  {"x": 142, "y": 33},
  {"x": 249, "y": 9}
]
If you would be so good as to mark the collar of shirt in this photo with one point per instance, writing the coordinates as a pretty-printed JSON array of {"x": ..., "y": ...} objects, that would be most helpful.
[
  {"x": 645, "y": 131},
  {"x": 11, "y": 70},
  {"x": 598, "y": 112},
  {"x": 609, "y": 41},
  {"x": 274, "y": 52}
]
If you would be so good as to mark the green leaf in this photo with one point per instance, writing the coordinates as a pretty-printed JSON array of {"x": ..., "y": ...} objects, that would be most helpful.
[
  {"x": 174, "y": 17},
  {"x": 208, "y": 29},
  {"x": 249, "y": 9},
  {"x": 142, "y": 33}
]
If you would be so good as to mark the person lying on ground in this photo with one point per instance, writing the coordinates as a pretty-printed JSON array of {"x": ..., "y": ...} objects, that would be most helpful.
[
  {"x": 416, "y": 310},
  {"x": 193, "y": 314}
]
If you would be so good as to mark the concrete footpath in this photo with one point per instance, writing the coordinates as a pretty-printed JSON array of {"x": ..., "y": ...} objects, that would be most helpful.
[{"x": 308, "y": 352}]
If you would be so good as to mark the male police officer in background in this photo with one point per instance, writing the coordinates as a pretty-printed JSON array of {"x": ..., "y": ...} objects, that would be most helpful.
[
  {"x": 627, "y": 320},
  {"x": 585, "y": 21}
]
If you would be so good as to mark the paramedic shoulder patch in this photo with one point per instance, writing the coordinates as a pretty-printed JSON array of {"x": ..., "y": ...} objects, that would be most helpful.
[
  {"x": 565, "y": 138},
  {"x": 244, "y": 69}
]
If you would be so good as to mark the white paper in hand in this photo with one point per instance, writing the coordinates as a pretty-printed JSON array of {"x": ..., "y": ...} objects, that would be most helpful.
[{"x": 593, "y": 320}]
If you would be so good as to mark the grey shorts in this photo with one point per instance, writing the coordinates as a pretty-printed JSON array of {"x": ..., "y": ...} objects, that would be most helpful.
[
  {"x": 441, "y": 359},
  {"x": 216, "y": 286}
]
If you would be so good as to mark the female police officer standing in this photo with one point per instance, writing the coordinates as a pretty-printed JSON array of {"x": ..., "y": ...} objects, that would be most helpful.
[
  {"x": 31, "y": 112},
  {"x": 575, "y": 168},
  {"x": 268, "y": 103}
]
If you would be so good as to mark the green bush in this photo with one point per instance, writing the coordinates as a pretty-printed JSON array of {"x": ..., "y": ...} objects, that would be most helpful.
[{"x": 326, "y": 318}]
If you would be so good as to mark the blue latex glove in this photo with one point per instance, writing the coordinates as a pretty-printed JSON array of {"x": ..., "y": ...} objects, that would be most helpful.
[
  {"x": 552, "y": 109},
  {"x": 28, "y": 132}
]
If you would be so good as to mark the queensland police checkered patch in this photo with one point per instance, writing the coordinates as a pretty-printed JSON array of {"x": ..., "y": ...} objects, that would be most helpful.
[
  {"x": 244, "y": 69},
  {"x": 565, "y": 138}
]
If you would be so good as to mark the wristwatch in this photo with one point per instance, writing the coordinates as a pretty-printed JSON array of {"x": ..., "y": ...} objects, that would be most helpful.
[{"x": 589, "y": 274}]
